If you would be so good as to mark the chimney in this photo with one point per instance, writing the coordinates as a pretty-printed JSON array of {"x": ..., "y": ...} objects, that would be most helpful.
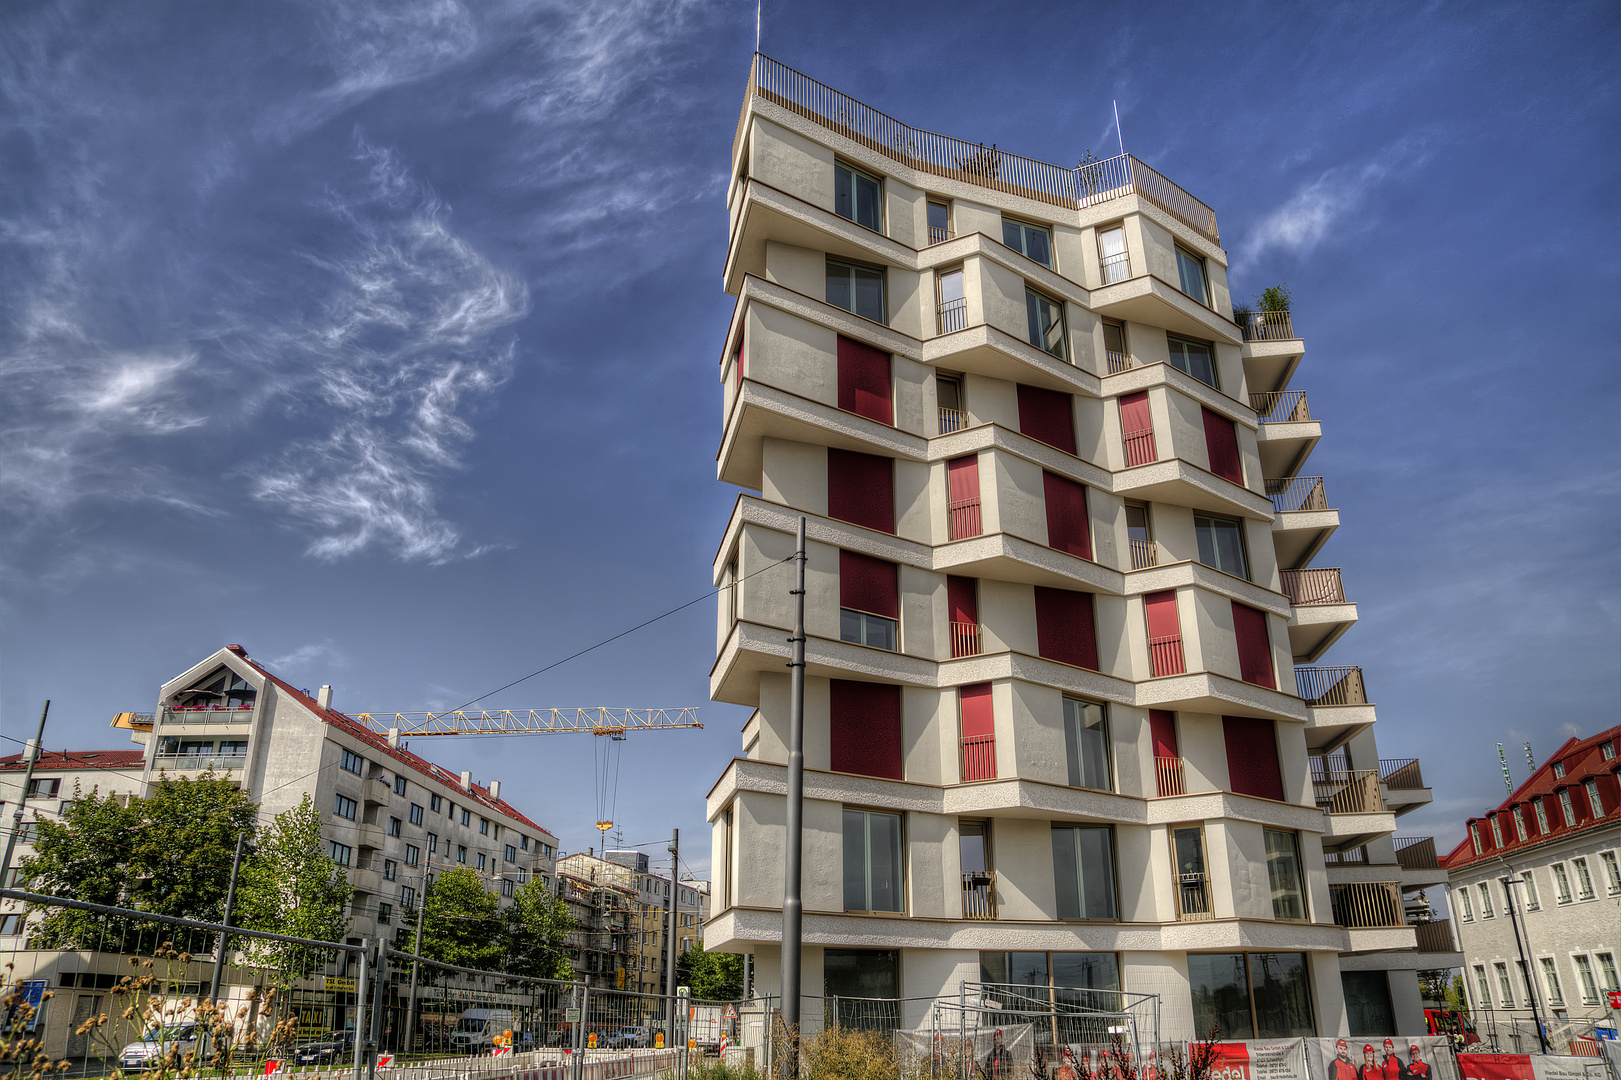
[
  {"x": 495, "y": 790},
  {"x": 467, "y": 781},
  {"x": 393, "y": 734},
  {"x": 323, "y": 697}
]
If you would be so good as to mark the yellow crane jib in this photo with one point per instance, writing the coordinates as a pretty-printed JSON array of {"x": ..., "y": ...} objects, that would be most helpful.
[{"x": 598, "y": 721}]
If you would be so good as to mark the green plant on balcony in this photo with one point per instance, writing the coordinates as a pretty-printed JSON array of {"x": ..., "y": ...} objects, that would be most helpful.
[{"x": 1276, "y": 298}]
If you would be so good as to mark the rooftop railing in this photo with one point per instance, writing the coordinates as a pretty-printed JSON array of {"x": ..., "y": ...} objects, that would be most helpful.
[
  {"x": 1281, "y": 407},
  {"x": 1401, "y": 774},
  {"x": 1331, "y": 685},
  {"x": 1297, "y": 493},
  {"x": 975, "y": 163},
  {"x": 1266, "y": 326},
  {"x": 1316, "y": 585}
]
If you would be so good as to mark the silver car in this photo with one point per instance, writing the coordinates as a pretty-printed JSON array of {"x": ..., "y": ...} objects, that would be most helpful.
[{"x": 155, "y": 1042}]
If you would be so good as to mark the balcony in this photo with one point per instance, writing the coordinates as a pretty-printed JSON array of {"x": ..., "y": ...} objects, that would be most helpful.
[
  {"x": 1321, "y": 615},
  {"x": 1367, "y": 905},
  {"x": 1339, "y": 708},
  {"x": 952, "y": 420},
  {"x": 1165, "y": 656},
  {"x": 1331, "y": 686},
  {"x": 1404, "y": 784},
  {"x": 1272, "y": 350},
  {"x": 967, "y": 639},
  {"x": 370, "y": 836},
  {"x": 205, "y": 714},
  {"x": 1302, "y": 520},
  {"x": 1168, "y": 776},
  {"x": 1288, "y": 433},
  {"x": 1346, "y": 791},
  {"x": 1144, "y": 554},
  {"x": 952, "y": 316},
  {"x": 978, "y": 758},
  {"x": 1420, "y": 866},
  {"x": 198, "y": 762},
  {"x": 1139, "y": 447},
  {"x": 963, "y": 518},
  {"x": 1193, "y": 898},
  {"x": 1435, "y": 936},
  {"x": 1119, "y": 361},
  {"x": 1267, "y": 326},
  {"x": 978, "y": 894}
]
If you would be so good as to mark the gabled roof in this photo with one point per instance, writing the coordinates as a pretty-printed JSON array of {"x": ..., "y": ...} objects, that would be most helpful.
[
  {"x": 1582, "y": 760},
  {"x": 74, "y": 760}
]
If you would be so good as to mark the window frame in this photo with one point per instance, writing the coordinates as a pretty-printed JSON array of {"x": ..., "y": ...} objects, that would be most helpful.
[
  {"x": 413, "y": 855},
  {"x": 1073, "y": 726},
  {"x": 1566, "y": 808},
  {"x": 1550, "y": 981},
  {"x": 1505, "y": 989},
  {"x": 1487, "y": 911},
  {"x": 883, "y": 288},
  {"x": 1243, "y": 544},
  {"x": 1586, "y": 977},
  {"x": 900, "y": 853},
  {"x": 1594, "y": 802},
  {"x": 1561, "y": 883},
  {"x": 351, "y": 762},
  {"x": 1203, "y": 265},
  {"x": 435, "y": 802},
  {"x": 1300, "y": 877},
  {"x": 1584, "y": 878},
  {"x": 1214, "y": 382},
  {"x": 1612, "y": 871},
  {"x": 343, "y": 806},
  {"x": 1073, "y": 827},
  {"x": 1033, "y": 299},
  {"x": 399, "y": 784},
  {"x": 1533, "y": 902},
  {"x": 1104, "y": 280},
  {"x": 1023, "y": 247},
  {"x": 946, "y": 232},
  {"x": 415, "y": 814},
  {"x": 862, "y": 620},
  {"x": 335, "y": 849},
  {"x": 856, "y": 171},
  {"x": 1466, "y": 908}
]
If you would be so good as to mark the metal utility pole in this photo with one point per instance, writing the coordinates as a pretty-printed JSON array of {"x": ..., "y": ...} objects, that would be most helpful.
[
  {"x": 362, "y": 993},
  {"x": 669, "y": 934},
  {"x": 230, "y": 903},
  {"x": 32, "y": 752},
  {"x": 792, "y": 907},
  {"x": 416, "y": 950},
  {"x": 1530, "y": 979},
  {"x": 379, "y": 997}
]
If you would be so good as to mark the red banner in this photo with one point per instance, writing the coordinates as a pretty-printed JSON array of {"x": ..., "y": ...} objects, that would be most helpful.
[{"x": 1496, "y": 1067}]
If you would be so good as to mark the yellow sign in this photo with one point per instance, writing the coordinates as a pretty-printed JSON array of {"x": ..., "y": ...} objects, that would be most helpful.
[
  {"x": 591, "y": 1041},
  {"x": 658, "y": 1041},
  {"x": 341, "y": 982}
]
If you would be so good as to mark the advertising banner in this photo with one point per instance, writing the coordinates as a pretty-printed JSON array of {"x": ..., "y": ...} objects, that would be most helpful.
[
  {"x": 1284, "y": 1059},
  {"x": 1524, "y": 1067}
]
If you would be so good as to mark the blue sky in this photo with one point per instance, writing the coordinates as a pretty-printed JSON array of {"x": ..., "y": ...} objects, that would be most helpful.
[{"x": 381, "y": 338}]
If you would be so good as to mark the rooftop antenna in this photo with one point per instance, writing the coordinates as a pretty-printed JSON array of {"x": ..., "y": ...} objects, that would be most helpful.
[
  {"x": 1530, "y": 759},
  {"x": 1508, "y": 781},
  {"x": 1118, "y": 133},
  {"x": 757, "y": 4}
]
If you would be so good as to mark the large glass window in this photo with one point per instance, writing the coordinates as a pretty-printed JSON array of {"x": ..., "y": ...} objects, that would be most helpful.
[
  {"x": 939, "y": 222},
  {"x": 1221, "y": 544},
  {"x": 1083, "y": 871},
  {"x": 1193, "y": 357},
  {"x": 1086, "y": 739},
  {"x": 856, "y": 977},
  {"x": 858, "y": 196},
  {"x": 1367, "y": 1003},
  {"x": 1283, "y": 871},
  {"x": 1046, "y": 323},
  {"x": 864, "y": 628},
  {"x": 858, "y": 289},
  {"x": 872, "y": 861},
  {"x": 1114, "y": 263},
  {"x": 1251, "y": 995},
  {"x": 1191, "y": 269},
  {"x": 1033, "y": 241},
  {"x": 1088, "y": 980}
]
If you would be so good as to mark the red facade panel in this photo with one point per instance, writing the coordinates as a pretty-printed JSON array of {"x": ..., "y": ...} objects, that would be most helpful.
[
  {"x": 869, "y": 584},
  {"x": 1164, "y": 634},
  {"x": 1065, "y": 630},
  {"x": 1254, "y": 646},
  {"x": 962, "y": 598},
  {"x": 1162, "y": 726},
  {"x": 864, "y": 729},
  {"x": 1137, "y": 430},
  {"x": 1221, "y": 441},
  {"x": 977, "y": 715},
  {"x": 864, "y": 383},
  {"x": 861, "y": 489},
  {"x": 1047, "y": 415},
  {"x": 1068, "y": 528},
  {"x": 1252, "y": 757},
  {"x": 962, "y": 494}
]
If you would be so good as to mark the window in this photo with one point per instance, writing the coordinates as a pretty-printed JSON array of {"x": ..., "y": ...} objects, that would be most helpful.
[
  {"x": 44, "y": 787},
  {"x": 461, "y": 854},
  {"x": 511, "y": 853},
  {"x": 1559, "y": 770},
  {"x": 391, "y": 870},
  {"x": 869, "y": 601},
  {"x": 1221, "y": 544},
  {"x": 385, "y": 913},
  {"x": 481, "y": 860},
  {"x": 1483, "y": 987},
  {"x": 1254, "y": 646},
  {"x": 1532, "y": 903},
  {"x": 1566, "y": 809},
  {"x": 1606, "y": 965},
  {"x": 399, "y": 785},
  {"x": 344, "y": 807},
  {"x": 1486, "y": 911},
  {"x": 1505, "y": 992},
  {"x": 433, "y": 843},
  {"x": 858, "y": 197},
  {"x": 1115, "y": 351},
  {"x": 1086, "y": 744},
  {"x": 1221, "y": 447},
  {"x": 949, "y": 399},
  {"x": 1519, "y": 824},
  {"x": 11, "y": 925},
  {"x": 545, "y": 851},
  {"x": 352, "y": 762},
  {"x": 1083, "y": 871},
  {"x": 1474, "y": 836},
  {"x": 1550, "y": 981},
  {"x": 1065, "y": 629},
  {"x": 1542, "y": 818},
  {"x": 1034, "y": 242},
  {"x": 435, "y": 803},
  {"x": 1464, "y": 906},
  {"x": 953, "y": 303},
  {"x": 467, "y": 817},
  {"x": 1584, "y": 975},
  {"x": 1508, "y": 897},
  {"x": 1593, "y": 801},
  {"x": 484, "y": 826},
  {"x": 857, "y": 289},
  {"x": 1561, "y": 883},
  {"x": 872, "y": 861},
  {"x": 394, "y": 826},
  {"x": 416, "y": 814},
  {"x": 861, "y": 489},
  {"x": 1497, "y": 831},
  {"x": 1069, "y": 528},
  {"x": 1113, "y": 262},
  {"x": 413, "y": 855},
  {"x": 1612, "y": 872},
  {"x": 1191, "y": 269},
  {"x": 864, "y": 382},
  {"x": 523, "y": 874},
  {"x": 864, "y": 728},
  {"x": 939, "y": 222},
  {"x": 1251, "y": 995},
  {"x": 340, "y": 853},
  {"x": 523, "y": 841},
  {"x": 1046, "y": 323},
  {"x": 508, "y": 886},
  {"x": 1193, "y": 358},
  {"x": 1048, "y": 416},
  {"x": 1584, "y": 880},
  {"x": 1283, "y": 871},
  {"x": 408, "y": 896},
  {"x": 1252, "y": 757},
  {"x": 1092, "y": 979},
  {"x": 1607, "y": 751}
]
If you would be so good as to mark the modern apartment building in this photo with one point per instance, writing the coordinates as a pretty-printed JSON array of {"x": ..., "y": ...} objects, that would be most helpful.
[
  {"x": 1549, "y": 859},
  {"x": 1059, "y": 580}
]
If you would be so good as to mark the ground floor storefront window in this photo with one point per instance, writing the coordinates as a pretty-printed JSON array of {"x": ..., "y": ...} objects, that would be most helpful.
[{"x": 1251, "y": 995}]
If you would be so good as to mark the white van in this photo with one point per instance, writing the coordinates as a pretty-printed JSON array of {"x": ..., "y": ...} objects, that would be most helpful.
[{"x": 475, "y": 1032}]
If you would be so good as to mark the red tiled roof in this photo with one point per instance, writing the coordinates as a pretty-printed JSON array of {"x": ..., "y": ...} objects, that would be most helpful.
[
  {"x": 379, "y": 743},
  {"x": 64, "y": 760},
  {"x": 1583, "y": 760}
]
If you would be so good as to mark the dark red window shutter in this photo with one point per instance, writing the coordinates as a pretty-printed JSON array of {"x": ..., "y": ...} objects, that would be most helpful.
[
  {"x": 1064, "y": 628},
  {"x": 978, "y": 732},
  {"x": 962, "y": 598},
  {"x": 1068, "y": 528},
  {"x": 864, "y": 386},
  {"x": 1164, "y": 634},
  {"x": 1221, "y": 441},
  {"x": 869, "y": 584},
  {"x": 962, "y": 493},
  {"x": 864, "y": 729},
  {"x": 861, "y": 489},
  {"x": 1137, "y": 429},
  {"x": 1252, "y": 757},
  {"x": 1162, "y": 725},
  {"x": 1047, "y": 415},
  {"x": 1254, "y": 646}
]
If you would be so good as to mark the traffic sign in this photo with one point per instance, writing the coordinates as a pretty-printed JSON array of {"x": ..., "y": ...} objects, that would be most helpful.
[
  {"x": 571, "y": 1016},
  {"x": 1615, "y": 999},
  {"x": 731, "y": 1013}
]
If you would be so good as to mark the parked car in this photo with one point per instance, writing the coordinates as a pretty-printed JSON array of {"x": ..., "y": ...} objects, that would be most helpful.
[
  {"x": 157, "y": 1041},
  {"x": 630, "y": 1037},
  {"x": 330, "y": 1048}
]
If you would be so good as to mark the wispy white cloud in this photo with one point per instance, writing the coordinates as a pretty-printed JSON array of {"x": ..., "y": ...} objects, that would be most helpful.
[
  {"x": 299, "y": 660},
  {"x": 1312, "y": 213}
]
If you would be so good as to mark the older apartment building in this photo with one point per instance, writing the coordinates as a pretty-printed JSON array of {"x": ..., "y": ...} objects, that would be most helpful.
[
  {"x": 1059, "y": 580},
  {"x": 1551, "y": 852},
  {"x": 620, "y": 906}
]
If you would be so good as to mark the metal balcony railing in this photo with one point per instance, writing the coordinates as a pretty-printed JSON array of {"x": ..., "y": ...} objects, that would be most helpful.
[
  {"x": 1193, "y": 898},
  {"x": 979, "y": 894},
  {"x": 1119, "y": 361},
  {"x": 1366, "y": 905},
  {"x": 1144, "y": 553},
  {"x": 1281, "y": 407},
  {"x": 205, "y": 714},
  {"x": 1267, "y": 326},
  {"x": 953, "y": 315},
  {"x": 952, "y": 420},
  {"x": 1297, "y": 493},
  {"x": 978, "y": 757},
  {"x": 1318, "y": 585},
  {"x": 1115, "y": 267},
  {"x": 967, "y": 639},
  {"x": 1347, "y": 791},
  {"x": 1401, "y": 774},
  {"x": 1168, "y": 774},
  {"x": 963, "y": 518},
  {"x": 1331, "y": 685},
  {"x": 1140, "y": 449},
  {"x": 1417, "y": 853},
  {"x": 1435, "y": 936},
  {"x": 1165, "y": 656},
  {"x": 199, "y": 762},
  {"x": 1357, "y": 856}
]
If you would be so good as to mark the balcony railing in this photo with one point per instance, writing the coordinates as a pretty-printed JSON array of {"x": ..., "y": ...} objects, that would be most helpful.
[
  {"x": 940, "y": 155},
  {"x": 1115, "y": 267},
  {"x": 1168, "y": 773},
  {"x": 978, "y": 757},
  {"x": 1435, "y": 936},
  {"x": 199, "y": 762},
  {"x": 1366, "y": 905},
  {"x": 939, "y": 235},
  {"x": 206, "y": 714},
  {"x": 1267, "y": 326},
  {"x": 1319, "y": 585},
  {"x": 967, "y": 639},
  {"x": 1193, "y": 898},
  {"x": 978, "y": 894},
  {"x": 1401, "y": 774},
  {"x": 1357, "y": 856},
  {"x": 952, "y": 420},
  {"x": 1119, "y": 361},
  {"x": 1140, "y": 449},
  {"x": 1165, "y": 656},
  {"x": 963, "y": 517},
  {"x": 1282, "y": 407},
  {"x": 953, "y": 315},
  {"x": 1297, "y": 493},
  {"x": 1331, "y": 685},
  {"x": 1348, "y": 791},
  {"x": 1144, "y": 553},
  {"x": 1417, "y": 853}
]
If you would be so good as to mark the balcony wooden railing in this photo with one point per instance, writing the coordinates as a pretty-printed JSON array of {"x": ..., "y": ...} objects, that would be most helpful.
[
  {"x": 973, "y": 163},
  {"x": 952, "y": 420},
  {"x": 1417, "y": 853},
  {"x": 1281, "y": 407},
  {"x": 938, "y": 235},
  {"x": 953, "y": 315},
  {"x": 1193, "y": 898},
  {"x": 1119, "y": 361},
  {"x": 1168, "y": 773},
  {"x": 1165, "y": 656},
  {"x": 1297, "y": 493},
  {"x": 963, "y": 518},
  {"x": 1401, "y": 774},
  {"x": 978, "y": 757},
  {"x": 1365, "y": 905},
  {"x": 1331, "y": 685},
  {"x": 1140, "y": 449},
  {"x": 979, "y": 894},
  {"x": 1115, "y": 267},
  {"x": 1435, "y": 936},
  {"x": 1348, "y": 791},
  {"x": 967, "y": 639},
  {"x": 1267, "y": 326},
  {"x": 1318, "y": 585},
  {"x": 1144, "y": 553}
]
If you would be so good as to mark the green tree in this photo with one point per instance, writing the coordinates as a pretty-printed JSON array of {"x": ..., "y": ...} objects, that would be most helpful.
[
  {"x": 535, "y": 931},
  {"x": 1276, "y": 298},
  {"x": 291, "y": 886},
  {"x": 84, "y": 855},
  {"x": 713, "y": 976},
  {"x": 461, "y": 922}
]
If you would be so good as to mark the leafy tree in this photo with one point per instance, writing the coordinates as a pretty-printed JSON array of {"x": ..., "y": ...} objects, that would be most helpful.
[
  {"x": 291, "y": 886},
  {"x": 713, "y": 976},
  {"x": 82, "y": 855},
  {"x": 461, "y": 922},
  {"x": 535, "y": 931}
]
